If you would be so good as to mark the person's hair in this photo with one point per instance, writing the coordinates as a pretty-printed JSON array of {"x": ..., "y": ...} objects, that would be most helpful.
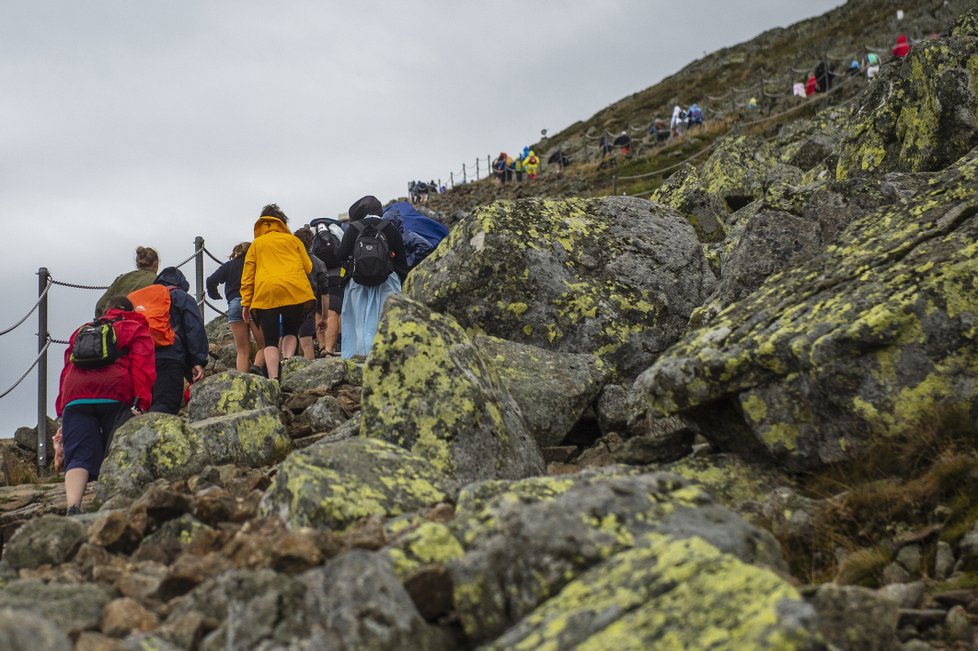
[
  {"x": 118, "y": 303},
  {"x": 146, "y": 258},
  {"x": 272, "y": 210},
  {"x": 306, "y": 236},
  {"x": 239, "y": 250}
]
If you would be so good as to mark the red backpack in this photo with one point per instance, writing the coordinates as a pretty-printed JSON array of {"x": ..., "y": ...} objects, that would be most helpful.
[{"x": 153, "y": 302}]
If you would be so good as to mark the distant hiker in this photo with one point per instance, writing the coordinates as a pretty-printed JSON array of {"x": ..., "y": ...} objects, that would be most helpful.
[
  {"x": 416, "y": 247},
  {"x": 902, "y": 47},
  {"x": 422, "y": 189},
  {"x": 378, "y": 265},
  {"x": 518, "y": 169},
  {"x": 823, "y": 77},
  {"x": 624, "y": 143},
  {"x": 811, "y": 85},
  {"x": 275, "y": 285},
  {"x": 752, "y": 104},
  {"x": 604, "y": 146},
  {"x": 676, "y": 122},
  {"x": 98, "y": 393},
  {"x": 499, "y": 168},
  {"x": 799, "y": 89},
  {"x": 178, "y": 333},
  {"x": 315, "y": 318},
  {"x": 559, "y": 160},
  {"x": 326, "y": 247},
  {"x": 659, "y": 131},
  {"x": 229, "y": 274},
  {"x": 872, "y": 65},
  {"x": 854, "y": 68},
  {"x": 531, "y": 165},
  {"x": 147, "y": 266},
  {"x": 694, "y": 115}
]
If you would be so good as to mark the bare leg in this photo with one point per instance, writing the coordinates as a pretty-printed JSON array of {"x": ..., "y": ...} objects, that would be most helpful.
[
  {"x": 332, "y": 330},
  {"x": 242, "y": 345},
  {"x": 260, "y": 342},
  {"x": 271, "y": 361},
  {"x": 75, "y": 481},
  {"x": 289, "y": 343},
  {"x": 307, "y": 350}
]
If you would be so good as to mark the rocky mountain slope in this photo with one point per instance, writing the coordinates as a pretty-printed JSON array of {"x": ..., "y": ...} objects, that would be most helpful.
[{"x": 741, "y": 415}]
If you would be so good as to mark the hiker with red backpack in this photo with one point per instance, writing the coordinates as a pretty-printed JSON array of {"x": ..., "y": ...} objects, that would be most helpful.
[
  {"x": 275, "y": 286},
  {"x": 377, "y": 263},
  {"x": 902, "y": 47},
  {"x": 108, "y": 377},
  {"x": 178, "y": 333}
]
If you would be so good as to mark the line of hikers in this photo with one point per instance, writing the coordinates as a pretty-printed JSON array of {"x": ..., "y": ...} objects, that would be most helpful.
[
  {"x": 822, "y": 77},
  {"x": 327, "y": 282},
  {"x": 526, "y": 164}
]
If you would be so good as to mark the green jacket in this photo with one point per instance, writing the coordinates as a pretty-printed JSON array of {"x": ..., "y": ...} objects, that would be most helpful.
[{"x": 123, "y": 285}]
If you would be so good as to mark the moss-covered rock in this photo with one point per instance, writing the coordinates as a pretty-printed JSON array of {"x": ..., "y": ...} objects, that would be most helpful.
[
  {"x": 420, "y": 546},
  {"x": 863, "y": 343},
  {"x": 157, "y": 446},
  {"x": 319, "y": 374},
  {"x": 231, "y": 392},
  {"x": 521, "y": 553},
  {"x": 616, "y": 277},
  {"x": 73, "y": 608},
  {"x": 50, "y": 539},
  {"x": 705, "y": 211},
  {"x": 730, "y": 480},
  {"x": 551, "y": 389},
  {"x": 741, "y": 170},
  {"x": 670, "y": 594},
  {"x": 428, "y": 389},
  {"x": 26, "y": 631},
  {"x": 920, "y": 114},
  {"x": 334, "y": 485}
]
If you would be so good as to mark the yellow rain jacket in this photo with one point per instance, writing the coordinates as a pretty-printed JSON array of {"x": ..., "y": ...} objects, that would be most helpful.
[
  {"x": 531, "y": 168},
  {"x": 276, "y": 268}
]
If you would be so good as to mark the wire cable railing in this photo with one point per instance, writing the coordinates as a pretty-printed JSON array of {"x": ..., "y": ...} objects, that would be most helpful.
[
  {"x": 40, "y": 355},
  {"x": 31, "y": 311}
]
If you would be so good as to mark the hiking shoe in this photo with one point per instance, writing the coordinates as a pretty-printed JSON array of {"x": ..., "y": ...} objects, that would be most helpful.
[{"x": 73, "y": 510}]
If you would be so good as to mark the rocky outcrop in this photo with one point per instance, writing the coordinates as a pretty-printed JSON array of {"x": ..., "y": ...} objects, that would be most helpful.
[
  {"x": 427, "y": 388},
  {"x": 865, "y": 342},
  {"x": 332, "y": 485},
  {"x": 921, "y": 114},
  {"x": 615, "y": 277},
  {"x": 742, "y": 169},
  {"x": 683, "y": 191}
]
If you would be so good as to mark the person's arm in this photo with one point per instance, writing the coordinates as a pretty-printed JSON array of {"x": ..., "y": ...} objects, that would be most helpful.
[
  {"x": 194, "y": 335},
  {"x": 215, "y": 279},
  {"x": 59, "y": 401},
  {"x": 248, "y": 284},
  {"x": 396, "y": 243},
  {"x": 346, "y": 246}
]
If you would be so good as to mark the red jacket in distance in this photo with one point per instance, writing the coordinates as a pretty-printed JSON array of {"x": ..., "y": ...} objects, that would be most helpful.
[
  {"x": 902, "y": 48},
  {"x": 129, "y": 377},
  {"x": 810, "y": 86}
]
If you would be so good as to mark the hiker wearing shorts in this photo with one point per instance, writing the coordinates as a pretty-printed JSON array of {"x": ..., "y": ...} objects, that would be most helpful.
[{"x": 229, "y": 274}]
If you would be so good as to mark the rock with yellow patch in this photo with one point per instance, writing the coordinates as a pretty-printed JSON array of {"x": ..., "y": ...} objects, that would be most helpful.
[
  {"x": 870, "y": 340},
  {"x": 742, "y": 168},
  {"x": 155, "y": 446},
  {"x": 616, "y": 277},
  {"x": 921, "y": 112},
  {"x": 526, "y": 553},
  {"x": 332, "y": 485},
  {"x": 429, "y": 389},
  {"x": 229, "y": 393},
  {"x": 317, "y": 375},
  {"x": 684, "y": 192},
  {"x": 552, "y": 389},
  {"x": 670, "y": 593}
]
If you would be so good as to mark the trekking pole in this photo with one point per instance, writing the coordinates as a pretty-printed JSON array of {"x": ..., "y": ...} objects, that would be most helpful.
[
  {"x": 199, "y": 254},
  {"x": 42, "y": 370}
]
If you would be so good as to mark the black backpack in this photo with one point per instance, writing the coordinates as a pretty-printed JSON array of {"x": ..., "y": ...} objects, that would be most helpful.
[
  {"x": 326, "y": 247},
  {"x": 95, "y": 344},
  {"x": 371, "y": 254}
]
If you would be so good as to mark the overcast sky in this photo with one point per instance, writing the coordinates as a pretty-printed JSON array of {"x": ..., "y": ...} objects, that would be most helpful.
[{"x": 128, "y": 123}]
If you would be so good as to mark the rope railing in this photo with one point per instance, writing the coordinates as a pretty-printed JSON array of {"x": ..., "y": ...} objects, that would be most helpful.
[
  {"x": 37, "y": 359},
  {"x": 40, "y": 298},
  {"x": 216, "y": 309},
  {"x": 76, "y": 286},
  {"x": 212, "y": 256}
]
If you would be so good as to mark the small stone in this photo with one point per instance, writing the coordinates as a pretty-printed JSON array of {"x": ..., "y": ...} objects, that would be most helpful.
[
  {"x": 558, "y": 453},
  {"x": 50, "y": 539},
  {"x": 115, "y": 532},
  {"x": 909, "y": 557},
  {"x": 124, "y": 616},
  {"x": 143, "y": 582},
  {"x": 957, "y": 625},
  {"x": 895, "y": 573},
  {"x": 904, "y": 595},
  {"x": 89, "y": 641},
  {"x": 921, "y": 618},
  {"x": 943, "y": 561}
]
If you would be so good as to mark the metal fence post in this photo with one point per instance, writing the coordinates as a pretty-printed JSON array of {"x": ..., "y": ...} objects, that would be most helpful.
[
  {"x": 488, "y": 164},
  {"x": 614, "y": 184},
  {"x": 451, "y": 178},
  {"x": 464, "y": 179},
  {"x": 476, "y": 169},
  {"x": 199, "y": 255},
  {"x": 42, "y": 370}
]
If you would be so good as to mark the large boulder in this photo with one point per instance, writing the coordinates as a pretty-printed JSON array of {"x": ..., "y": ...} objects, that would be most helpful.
[
  {"x": 869, "y": 340},
  {"x": 617, "y": 277},
  {"x": 742, "y": 169},
  {"x": 684, "y": 192},
  {"x": 26, "y": 631},
  {"x": 231, "y": 392},
  {"x": 427, "y": 388},
  {"x": 522, "y": 552},
  {"x": 921, "y": 113},
  {"x": 332, "y": 485},
  {"x": 669, "y": 593},
  {"x": 157, "y": 446},
  {"x": 72, "y": 608},
  {"x": 552, "y": 389}
]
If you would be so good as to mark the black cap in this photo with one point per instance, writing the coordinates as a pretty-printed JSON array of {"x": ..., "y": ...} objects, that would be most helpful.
[{"x": 368, "y": 205}]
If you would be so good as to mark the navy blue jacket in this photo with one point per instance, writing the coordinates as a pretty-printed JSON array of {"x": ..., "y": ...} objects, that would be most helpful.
[
  {"x": 190, "y": 344},
  {"x": 228, "y": 273}
]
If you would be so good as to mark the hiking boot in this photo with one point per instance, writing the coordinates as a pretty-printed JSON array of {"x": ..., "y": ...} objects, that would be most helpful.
[{"x": 73, "y": 510}]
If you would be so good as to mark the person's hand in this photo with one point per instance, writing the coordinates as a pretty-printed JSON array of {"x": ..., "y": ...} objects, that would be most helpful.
[
  {"x": 198, "y": 373},
  {"x": 246, "y": 314},
  {"x": 321, "y": 323}
]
